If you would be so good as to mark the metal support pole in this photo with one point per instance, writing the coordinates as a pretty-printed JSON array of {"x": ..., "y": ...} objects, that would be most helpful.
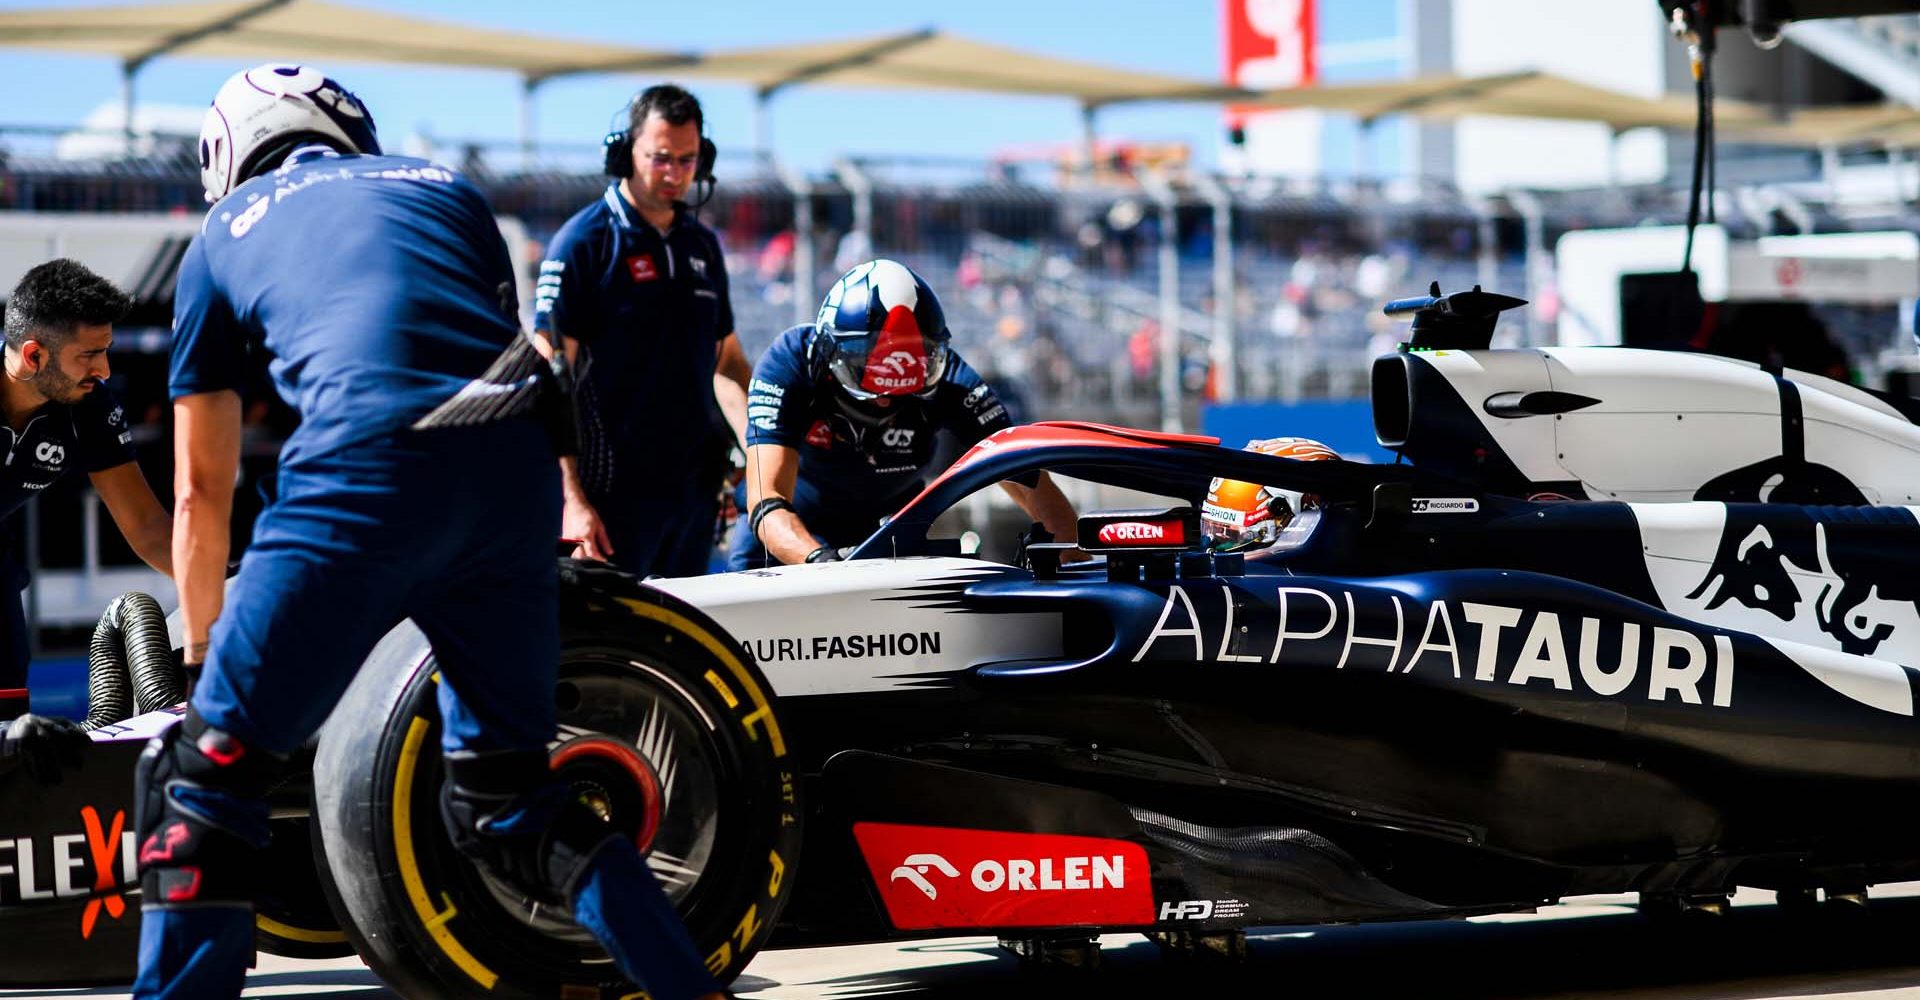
[
  {"x": 763, "y": 124},
  {"x": 1088, "y": 138},
  {"x": 1487, "y": 248},
  {"x": 803, "y": 262},
  {"x": 1533, "y": 215},
  {"x": 127, "y": 72},
  {"x": 90, "y": 540},
  {"x": 527, "y": 85},
  {"x": 1223, "y": 349},
  {"x": 1363, "y": 156},
  {"x": 860, "y": 186},
  {"x": 1157, "y": 188}
]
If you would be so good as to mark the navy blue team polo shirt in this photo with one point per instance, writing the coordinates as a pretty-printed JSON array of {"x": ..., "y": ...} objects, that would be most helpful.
[
  {"x": 649, "y": 309},
  {"x": 379, "y": 285},
  {"x": 859, "y": 463},
  {"x": 90, "y": 435}
]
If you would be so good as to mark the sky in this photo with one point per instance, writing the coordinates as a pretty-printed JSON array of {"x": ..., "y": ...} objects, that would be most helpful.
[{"x": 810, "y": 125}]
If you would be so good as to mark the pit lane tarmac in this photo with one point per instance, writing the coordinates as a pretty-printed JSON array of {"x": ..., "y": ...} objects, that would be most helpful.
[{"x": 1594, "y": 946}]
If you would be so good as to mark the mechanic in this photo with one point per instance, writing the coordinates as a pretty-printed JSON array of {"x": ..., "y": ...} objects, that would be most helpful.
[
  {"x": 636, "y": 284},
  {"x": 843, "y": 418},
  {"x": 1239, "y": 516},
  {"x": 382, "y": 289},
  {"x": 61, "y": 416}
]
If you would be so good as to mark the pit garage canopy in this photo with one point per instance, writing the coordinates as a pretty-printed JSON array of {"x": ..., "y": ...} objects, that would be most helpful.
[
  {"x": 253, "y": 30},
  {"x": 1524, "y": 94},
  {"x": 932, "y": 59},
  {"x": 1887, "y": 125}
]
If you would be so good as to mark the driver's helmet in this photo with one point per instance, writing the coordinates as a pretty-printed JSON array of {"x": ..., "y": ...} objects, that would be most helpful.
[
  {"x": 883, "y": 332},
  {"x": 1239, "y": 516}
]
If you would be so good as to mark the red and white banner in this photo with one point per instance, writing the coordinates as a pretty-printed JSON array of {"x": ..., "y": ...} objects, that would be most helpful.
[
  {"x": 1269, "y": 45},
  {"x": 936, "y": 877}
]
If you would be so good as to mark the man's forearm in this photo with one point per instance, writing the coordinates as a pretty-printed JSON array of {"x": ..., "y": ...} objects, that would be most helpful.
[
  {"x": 732, "y": 399},
  {"x": 155, "y": 546},
  {"x": 787, "y": 537},
  {"x": 1045, "y": 503},
  {"x": 570, "y": 487},
  {"x": 200, "y": 549}
]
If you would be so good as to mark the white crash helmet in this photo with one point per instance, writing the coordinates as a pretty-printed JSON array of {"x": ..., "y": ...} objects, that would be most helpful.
[{"x": 265, "y": 111}]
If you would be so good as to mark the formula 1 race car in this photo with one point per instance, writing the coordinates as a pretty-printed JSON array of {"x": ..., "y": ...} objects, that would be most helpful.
[{"x": 1630, "y": 621}]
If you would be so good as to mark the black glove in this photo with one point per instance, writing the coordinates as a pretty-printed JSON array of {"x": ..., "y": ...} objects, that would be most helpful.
[
  {"x": 825, "y": 553},
  {"x": 45, "y": 745}
]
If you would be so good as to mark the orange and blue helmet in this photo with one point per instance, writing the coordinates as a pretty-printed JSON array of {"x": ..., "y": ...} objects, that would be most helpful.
[{"x": 1239, "y": 516}]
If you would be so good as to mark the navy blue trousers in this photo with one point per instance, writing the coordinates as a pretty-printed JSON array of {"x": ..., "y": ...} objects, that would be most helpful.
[{"x": 454, "y": 529}]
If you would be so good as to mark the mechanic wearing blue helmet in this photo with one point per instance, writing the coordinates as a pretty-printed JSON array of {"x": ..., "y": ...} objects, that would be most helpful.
[
  {"x": 842, "y": 416},
  {"x": 381, "y": 288},
  {"x": 638, "y": 287}
]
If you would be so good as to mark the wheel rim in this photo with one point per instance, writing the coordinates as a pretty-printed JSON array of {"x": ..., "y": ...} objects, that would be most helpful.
[
  {"x": 612, "y": 779},
  {"x": 632, "y": 742}
]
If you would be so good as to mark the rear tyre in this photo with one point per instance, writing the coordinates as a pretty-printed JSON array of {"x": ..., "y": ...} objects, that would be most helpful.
[{"x": 666, "y": 728}]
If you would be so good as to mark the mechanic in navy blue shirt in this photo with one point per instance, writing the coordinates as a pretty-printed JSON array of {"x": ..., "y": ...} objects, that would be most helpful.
[
  {"x": 382, "y": 291},
  {"x": 60, "y": 416},
  {"x": 637, "y": 287},
  {"x": 843, "y": 416}
]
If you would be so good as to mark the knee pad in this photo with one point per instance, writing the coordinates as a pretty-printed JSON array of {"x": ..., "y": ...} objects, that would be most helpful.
[
  {"x": 504, "y": 810},
  {"x": 200, "y": 814}
]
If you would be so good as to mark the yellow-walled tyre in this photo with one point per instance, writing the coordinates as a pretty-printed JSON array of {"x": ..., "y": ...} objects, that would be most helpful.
[
  {"x": 291, "y": 915},
  {"x": 666, "y": 728}
]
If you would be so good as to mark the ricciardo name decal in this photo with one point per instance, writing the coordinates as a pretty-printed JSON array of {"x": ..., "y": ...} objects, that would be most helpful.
[{"x": 845, "y": 647}]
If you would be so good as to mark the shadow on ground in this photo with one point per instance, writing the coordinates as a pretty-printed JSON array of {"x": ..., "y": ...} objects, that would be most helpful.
[{"x": 1753, "y": 952}]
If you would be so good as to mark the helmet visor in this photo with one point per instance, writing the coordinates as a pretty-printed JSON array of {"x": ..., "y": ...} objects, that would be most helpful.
[{"x": 886, "y": 363}]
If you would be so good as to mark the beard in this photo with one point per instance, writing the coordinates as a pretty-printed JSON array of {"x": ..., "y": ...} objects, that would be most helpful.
[{"x": 57, "y": 387}]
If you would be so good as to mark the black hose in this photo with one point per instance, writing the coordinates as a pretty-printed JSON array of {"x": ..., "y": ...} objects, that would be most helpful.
[{"x": 130, "y": 665}]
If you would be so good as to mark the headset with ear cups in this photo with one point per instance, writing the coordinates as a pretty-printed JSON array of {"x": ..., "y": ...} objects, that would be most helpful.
[{"x": 619, "y": 149}]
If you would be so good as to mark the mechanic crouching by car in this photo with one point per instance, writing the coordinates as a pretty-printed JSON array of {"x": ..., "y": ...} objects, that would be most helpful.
[
  {"x": 842, "y": 417},
  {"x": 383, "y": 291},
  {"x": 60, "y": 416}
]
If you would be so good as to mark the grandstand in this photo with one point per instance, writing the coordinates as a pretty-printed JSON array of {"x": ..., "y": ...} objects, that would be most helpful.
[{"x": 1059, "y": 275}]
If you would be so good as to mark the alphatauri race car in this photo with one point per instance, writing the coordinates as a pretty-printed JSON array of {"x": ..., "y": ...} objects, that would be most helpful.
[{"x": 1625, "y": 621}]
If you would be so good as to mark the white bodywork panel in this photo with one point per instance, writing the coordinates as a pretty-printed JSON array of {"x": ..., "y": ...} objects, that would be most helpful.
[
  {"x": 1668, "y": 422},
  {"x": 1475, "y": 375},
  {"x": 865, "y": 625}
]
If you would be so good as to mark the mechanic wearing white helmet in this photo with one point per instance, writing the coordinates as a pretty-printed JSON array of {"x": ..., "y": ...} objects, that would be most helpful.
[
  {"x": 842, "y": 417},
  {"x": 638, "y": 287},
  {"x": 382, "y": 289}
]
